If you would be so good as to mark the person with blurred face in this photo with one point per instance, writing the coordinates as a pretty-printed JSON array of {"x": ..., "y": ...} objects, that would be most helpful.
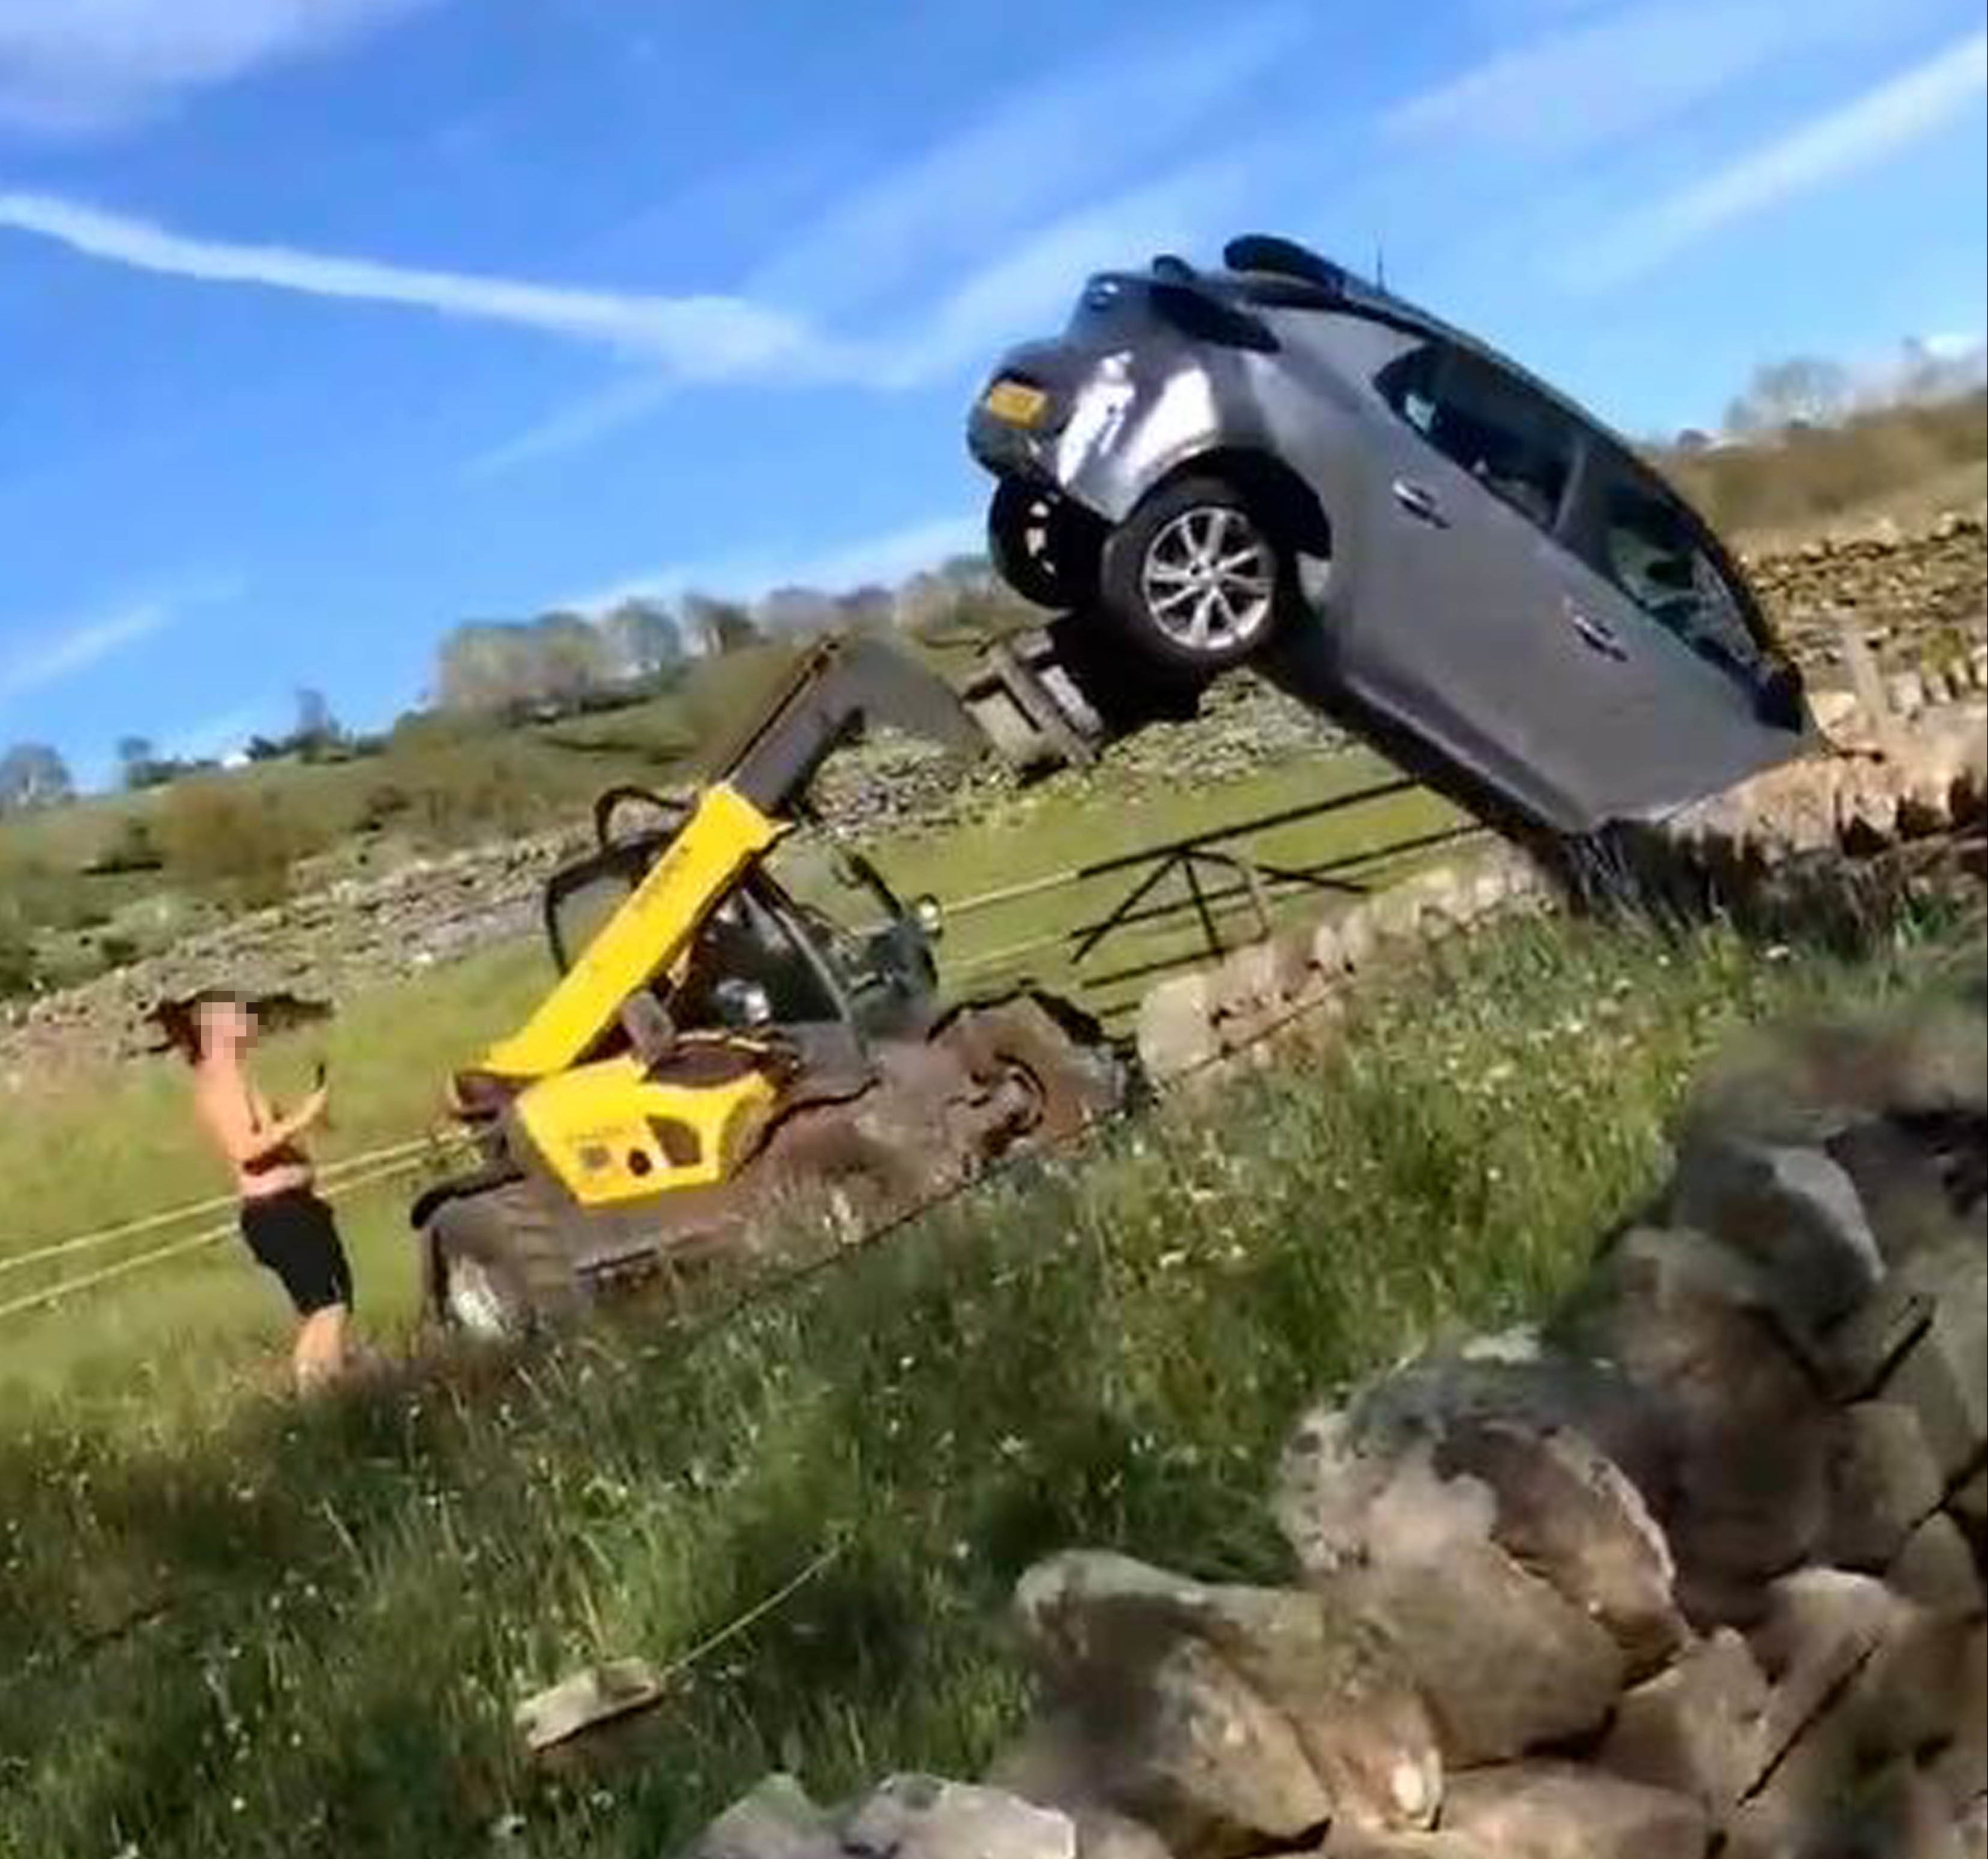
[{"x": 287, "y": 1226}]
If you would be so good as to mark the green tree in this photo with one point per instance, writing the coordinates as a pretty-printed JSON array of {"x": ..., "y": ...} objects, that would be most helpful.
[
  {"x": 720, "y": 626},
  {"x": 231, "y": 840},
  {"x": 32, "y": 775},
  {"x": 644, "y": 642}
]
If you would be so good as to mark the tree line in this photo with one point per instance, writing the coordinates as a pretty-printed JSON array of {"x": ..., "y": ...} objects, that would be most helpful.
[{"x": 556, "y": 664}]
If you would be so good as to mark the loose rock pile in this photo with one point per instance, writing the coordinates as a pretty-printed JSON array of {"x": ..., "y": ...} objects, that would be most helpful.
[
  {"x": 319, "y": 946},
  {"x": 1696, "y": 1565}
]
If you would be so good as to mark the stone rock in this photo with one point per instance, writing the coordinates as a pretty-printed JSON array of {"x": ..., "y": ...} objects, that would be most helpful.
[
  {"x": 1898, "y": 1815},
  {"x": 1822, "y": 1638},
  {"x": 1943, "y": 1375},
  {"x": 1911, "y": 1696},
  {"x": 1570, "y": 1516},
  {"x": 1504, "y": 1663},
  {"x": 1223, "y": 1718},
  {"x": 919, "y": 1817},
  {"x": 1884, "y": 1482},
  {"x": 1801, "y": 1084},
  {"x": 595, "y": 1696},
  {"x": 1792, "y": 1211},
  {"x": 1864, "y": 1350},
  {"x": 1101, "y": 1834},
  {"x": 775, "y": 1821},
  {"x": 1698, "y": 1729},
  {"x": 1960, "y": 1768},
  {"x": 1356, "y": 1844},
  {"x": 1936, "y": 1569},
  {"x": 1476, "y": 1446},
  {"x": 1175, "y": 1033},
  {"x": 1050, "y": 1765},
  {"x": 1859, "y": 1677},
  {"x": 1968, "y": 1502},
  {"x": 1696, "y": 1329},
  {"x": 1905, "y": 1184},
  {"x": 1553, "y": 1811},
  {"x": 1486, "y": 1398}
]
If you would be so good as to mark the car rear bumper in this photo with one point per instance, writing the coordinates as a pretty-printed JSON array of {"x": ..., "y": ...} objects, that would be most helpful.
[{"x": 1007, "y": 447}]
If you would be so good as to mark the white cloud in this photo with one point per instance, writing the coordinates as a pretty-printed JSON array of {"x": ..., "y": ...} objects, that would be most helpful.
[
  {"x": 1827, "y": 148},
  {"x": 1037, "y": 153},
  {"x": 881, "y": 559},
  {"x": 576, "y": 425},
  {"x": 696, "y": 336},
  {"x": 54, "y": 652},
  {"x": 1043, "y": 180},
  {"x": 1604, "y": 79},
  {"x": 1037, "y": 278},
  {"x": 79, "y": 65}
]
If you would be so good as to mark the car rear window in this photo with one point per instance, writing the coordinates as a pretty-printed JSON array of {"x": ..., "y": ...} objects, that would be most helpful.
[{"x": 1652, "y": 551}]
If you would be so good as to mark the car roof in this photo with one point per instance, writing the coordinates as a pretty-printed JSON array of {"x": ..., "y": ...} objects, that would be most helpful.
[{"x": 1345, "y": 294}]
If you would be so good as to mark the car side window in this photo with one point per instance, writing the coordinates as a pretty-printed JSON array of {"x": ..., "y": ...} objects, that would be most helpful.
[
  {"x": 1519, "y": 446},
  {"x": 1654, "y": 553}
]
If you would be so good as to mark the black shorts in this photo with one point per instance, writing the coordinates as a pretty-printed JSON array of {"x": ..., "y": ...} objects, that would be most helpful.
[{"x": 294, "y": 1235}]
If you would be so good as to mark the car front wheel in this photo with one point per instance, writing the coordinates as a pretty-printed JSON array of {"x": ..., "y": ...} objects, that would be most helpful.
[{"x": 1194, "y": 576}]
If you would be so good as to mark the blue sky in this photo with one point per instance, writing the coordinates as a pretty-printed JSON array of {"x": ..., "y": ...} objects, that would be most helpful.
[{"x": 328, "y": 323}]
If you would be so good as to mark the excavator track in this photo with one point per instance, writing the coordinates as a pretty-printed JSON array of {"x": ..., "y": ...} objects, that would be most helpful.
[{"x": 509, "y": 1258}]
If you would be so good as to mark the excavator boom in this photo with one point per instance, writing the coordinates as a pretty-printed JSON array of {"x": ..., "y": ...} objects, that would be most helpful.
[{"x": 835, "y": 691}]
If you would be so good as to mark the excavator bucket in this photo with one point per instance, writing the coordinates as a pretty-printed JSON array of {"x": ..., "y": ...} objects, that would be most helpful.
[{"x": 838, "y": 690}]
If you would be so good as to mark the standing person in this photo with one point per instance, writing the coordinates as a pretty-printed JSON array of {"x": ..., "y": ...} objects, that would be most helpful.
[{"x": 287, "y": 1226}]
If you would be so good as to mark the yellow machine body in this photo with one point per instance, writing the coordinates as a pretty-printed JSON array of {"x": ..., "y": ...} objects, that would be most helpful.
[
  {"x": 647, "y": 938},
  {"x": 611, "y": 1133}
]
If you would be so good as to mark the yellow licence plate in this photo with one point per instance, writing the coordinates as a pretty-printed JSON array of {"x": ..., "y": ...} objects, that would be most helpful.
[{"x": 1015, "y": 402}]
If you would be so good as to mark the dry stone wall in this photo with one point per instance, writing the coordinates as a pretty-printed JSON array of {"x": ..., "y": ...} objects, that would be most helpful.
[
  {"x": 1695, "y": 1566},
  {"x": 1844, "y": 832}
]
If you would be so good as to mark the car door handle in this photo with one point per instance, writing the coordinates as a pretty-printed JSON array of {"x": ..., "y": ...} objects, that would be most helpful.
[
  {"x": 1597, "y": 634},
  {"x": 1419, "y": 502}
]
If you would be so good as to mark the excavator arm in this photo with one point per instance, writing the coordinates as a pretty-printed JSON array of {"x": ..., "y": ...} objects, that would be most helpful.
[{"x": 834, "y": 693}]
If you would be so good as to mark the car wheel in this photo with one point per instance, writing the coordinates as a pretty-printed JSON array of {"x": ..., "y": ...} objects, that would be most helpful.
[
  {"x": 1041, "y": 545},
  {"x": 1195, "y": 577}
]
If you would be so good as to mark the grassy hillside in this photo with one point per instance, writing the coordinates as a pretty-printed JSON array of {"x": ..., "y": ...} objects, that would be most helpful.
[
  {"x": 1898, "y": 462},
  {"x": 228, "y": 1627}
]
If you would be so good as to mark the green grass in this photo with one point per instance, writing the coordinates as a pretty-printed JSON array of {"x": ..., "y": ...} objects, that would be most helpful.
[
  {"x": 231, "y": 1628},
  {"x": 126, "y": 1148}
]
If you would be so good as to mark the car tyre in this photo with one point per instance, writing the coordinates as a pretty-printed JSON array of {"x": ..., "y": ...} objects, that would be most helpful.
[
  {"x": 1042, "y": 545},
  {"x": 1196, "y": 577}
]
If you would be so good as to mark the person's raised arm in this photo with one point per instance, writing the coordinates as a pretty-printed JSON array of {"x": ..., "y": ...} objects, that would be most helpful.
[{"x": 228, "y": 1116}]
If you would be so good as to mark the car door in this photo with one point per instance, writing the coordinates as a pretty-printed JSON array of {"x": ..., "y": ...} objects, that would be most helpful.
[
  {"x": 1687, "y": 696},
  {"x": 1460, "y": 632}
]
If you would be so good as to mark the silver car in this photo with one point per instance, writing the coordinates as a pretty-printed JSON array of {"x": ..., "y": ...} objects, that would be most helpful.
[{"x": 1276, "y": 464}]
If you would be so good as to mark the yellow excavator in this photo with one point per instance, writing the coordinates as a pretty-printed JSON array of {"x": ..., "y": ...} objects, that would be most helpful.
[{"x": 723, "y": 1045}]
